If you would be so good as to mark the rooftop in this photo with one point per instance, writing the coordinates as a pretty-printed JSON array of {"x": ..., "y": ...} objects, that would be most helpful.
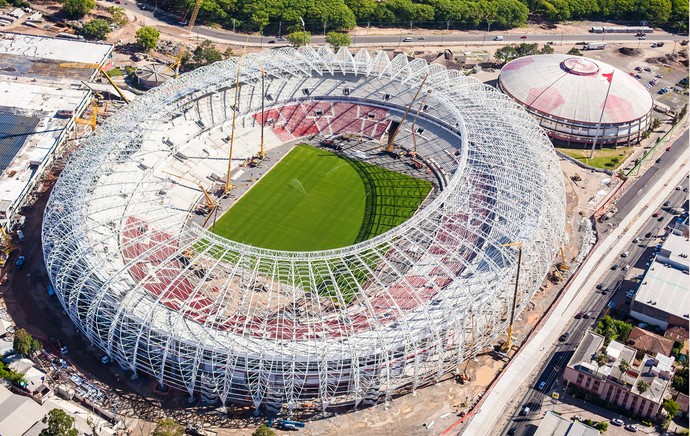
[
  {"x": 648, "y": 342},
  {"x": 556, "y": 425},
  {"x": 34, "y": 90},
  {"x": 666, "y": 289}
]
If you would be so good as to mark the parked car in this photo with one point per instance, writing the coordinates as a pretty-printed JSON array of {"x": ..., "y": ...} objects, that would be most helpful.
[
  {"x": 658, "y": 76},
  {"x": 614, "y": 267},
  {"x": 647, "y": 69},
  {"x": 617, "y": 422},
  {"x": 20, "y": 262},
  {"x": 638, "y": 77},
  {"x": 625, "y": 254},
  {"x": 564, "y": 336},
  {"x": 579, "y": 315},
  {"x": 656, "y": 214},
  {"x": 626, "y": 267},
  {"x": 638, "y": 68},
  {"x": 512, "y": 431},
  {"x": 631, "y": 428},
  {"x": 600, "y": 286},
  {"x": 525, "y": 411},
  {"x": 636, "y": 240},
  {"x": 421, "y": 38},
  {"x": 666, "y": 203},
  {"x": 542, "y": 385}
]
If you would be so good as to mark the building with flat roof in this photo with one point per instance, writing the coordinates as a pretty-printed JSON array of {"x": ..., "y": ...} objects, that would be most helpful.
[
  {"x": 40, "y": 101},
  {"x": 640, "y": 389},
  {"x": 556, "y": 425},
  {"x": 663, "y": 297}
]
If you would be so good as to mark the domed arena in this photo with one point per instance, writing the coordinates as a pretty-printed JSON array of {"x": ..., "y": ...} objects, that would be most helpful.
[
  {"x": 304, "y": 228},
  {"x": 566, "y": 95}
]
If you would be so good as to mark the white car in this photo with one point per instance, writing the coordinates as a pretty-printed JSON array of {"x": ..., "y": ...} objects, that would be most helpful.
[
  {"x": 631, "y": 428},
  {"x": 625, "y": 254},
  {"x": 408, "y": 39},
  {"x": 617, "y": 422}
]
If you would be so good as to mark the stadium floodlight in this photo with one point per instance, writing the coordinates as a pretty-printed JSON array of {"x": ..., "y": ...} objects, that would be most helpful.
[{"x": 235, "y": 323}]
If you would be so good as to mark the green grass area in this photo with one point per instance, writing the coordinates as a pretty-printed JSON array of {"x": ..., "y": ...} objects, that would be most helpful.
[
  {"x": 606, "y": 158},
  {"x": 315, "y": 200}
]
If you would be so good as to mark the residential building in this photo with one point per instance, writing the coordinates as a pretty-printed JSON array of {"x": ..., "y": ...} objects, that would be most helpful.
[
  {"x": 646, "y": 342},
  {"x": 640, "y": 389}
]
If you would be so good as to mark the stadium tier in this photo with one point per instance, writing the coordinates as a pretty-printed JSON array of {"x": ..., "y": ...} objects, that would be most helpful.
[{"x": 163, "y": 295}]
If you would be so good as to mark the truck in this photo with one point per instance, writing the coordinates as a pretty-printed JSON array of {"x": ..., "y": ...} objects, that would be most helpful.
[{"x": 594, "y": 46}]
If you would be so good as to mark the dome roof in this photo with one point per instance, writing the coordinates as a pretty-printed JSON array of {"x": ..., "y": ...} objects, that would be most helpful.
[{"x": 574, "y": 88}]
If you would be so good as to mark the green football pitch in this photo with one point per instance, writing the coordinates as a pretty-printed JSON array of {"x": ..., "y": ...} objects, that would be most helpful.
[{"x": 315, "y": 200}]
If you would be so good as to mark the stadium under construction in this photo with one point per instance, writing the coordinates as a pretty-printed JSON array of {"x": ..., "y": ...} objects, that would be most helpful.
[{"x": 130, "y": 247}]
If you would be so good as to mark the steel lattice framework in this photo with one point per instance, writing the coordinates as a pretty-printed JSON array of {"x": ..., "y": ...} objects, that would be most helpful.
[{"x": 237, "y": 323}]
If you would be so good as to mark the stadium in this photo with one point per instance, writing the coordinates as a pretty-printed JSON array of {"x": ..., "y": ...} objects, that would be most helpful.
[
  {"x": 366, "y": 247},
  {"x": 566, "y": 95}
]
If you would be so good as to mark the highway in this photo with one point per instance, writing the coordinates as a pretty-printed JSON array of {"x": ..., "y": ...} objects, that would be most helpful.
[
  {"x": 471, "y": 37},
  {"x": 617, "y": 282}
]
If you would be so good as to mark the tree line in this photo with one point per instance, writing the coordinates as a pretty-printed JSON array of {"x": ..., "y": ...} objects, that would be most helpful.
[{"x": 286, "y": 16}]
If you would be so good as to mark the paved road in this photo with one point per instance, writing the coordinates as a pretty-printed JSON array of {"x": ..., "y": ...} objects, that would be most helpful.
[
  {"x": 663, "y": 160},
  {"x": 394, "y": 40},
  {"x": 616, "y": 281}
]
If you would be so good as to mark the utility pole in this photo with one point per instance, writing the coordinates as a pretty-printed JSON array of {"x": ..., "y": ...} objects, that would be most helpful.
[{"x": 324, "y": 27}]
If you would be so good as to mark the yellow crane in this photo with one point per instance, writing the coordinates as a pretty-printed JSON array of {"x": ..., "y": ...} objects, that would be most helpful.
[
  {"x": 94, "y": 116},
  {"x": 101, "y": 70},
  {"x": 8, "y": 247},
  {"x": 507, "y": 345},
  {"x": 210, "y": 202},
  {"x": 262, "y": 152},
  {"x": 563, "y": 266},
  {"x": 228, "y": 182},
  {"x": 391, "y": 138},
  {"x": 178, "y": 61}
]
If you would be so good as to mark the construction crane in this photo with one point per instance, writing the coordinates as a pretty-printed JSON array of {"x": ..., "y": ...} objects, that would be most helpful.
[
  {"x": 414, "y": 122},
  {"x": 94, "y": 116},
  {"x": 563, "y": 265},
  {"x": 508, "y": 344},
  {"x": 228, "y": 183},
  {"x": 101, "y": 70},
  {"x": 210, "y": 202},
  {"x": 178, "y": 61},
  {"x": 262, "y": 152},
  {"x": 7, "y": 247},
  {"x": 391, "y": 138}
]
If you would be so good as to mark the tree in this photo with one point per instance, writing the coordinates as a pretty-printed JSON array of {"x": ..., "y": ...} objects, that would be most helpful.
[
  {"x": 299, "y": 38},
  {"x": 680, "y": 379},
  {"x": 59, "y": 424},
  {"x": 337, "y": 39},
  {"x": 25, "y": 344},
  {"x": 206, "y": 54},
  {"x": 613, "y": 330},
  {"x": 168, "y": 427},
  {"x": 624, "y": 366},
  {"x": 147, "y": 37},
  {"x": 505, "y": 54},
  {"x": 642, "y": 386},
  {"x": 602, "y": 426},
  {"x": 263, "y": 431},
  {"x": 77, "y": 8},
  {"x": 96, "y": 29},
  {"x": 574, "y": 52},
  {"x": 671, "y": 407},
  {"x": 600, "y": 360},
  {"x": 547, "y": 49},
  {"x": 656, "y": 123},
  {"x": 119, "y": 18}
]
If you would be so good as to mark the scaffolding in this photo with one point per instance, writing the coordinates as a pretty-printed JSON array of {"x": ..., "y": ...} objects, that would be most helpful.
[{"x": 233, "y": 323}]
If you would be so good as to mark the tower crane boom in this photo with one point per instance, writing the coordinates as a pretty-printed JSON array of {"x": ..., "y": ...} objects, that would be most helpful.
[{"x": 178, "y": 61}]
